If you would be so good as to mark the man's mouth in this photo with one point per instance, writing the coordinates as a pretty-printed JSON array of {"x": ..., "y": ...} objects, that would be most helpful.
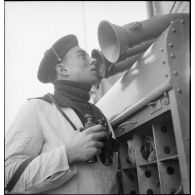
[{"x": 94, "y": 70}]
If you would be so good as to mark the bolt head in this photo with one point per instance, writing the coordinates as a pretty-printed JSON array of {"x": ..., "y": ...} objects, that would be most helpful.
[
  {"x": 161, "y": 49},
  {"x": 172, "y": 55},
  {"x": 170, "y": 44},
  {"x": 175, "y": 72},
  {"x": 182, "y": 21},
  {"x": 173, "y": 30},
  {"x": 166, "y": 102},
  {"x": 179, "y": 91}
]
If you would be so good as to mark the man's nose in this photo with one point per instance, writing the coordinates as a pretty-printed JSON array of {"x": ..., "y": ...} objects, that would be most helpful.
[{"x": 92, "y": 61}]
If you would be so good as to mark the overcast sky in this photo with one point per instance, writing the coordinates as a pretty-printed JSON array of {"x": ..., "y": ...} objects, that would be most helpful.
[{"x": 32, "y": 27}]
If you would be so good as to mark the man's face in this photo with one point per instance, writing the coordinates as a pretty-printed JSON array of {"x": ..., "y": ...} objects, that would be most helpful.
[{"x": 80, "y": 66}]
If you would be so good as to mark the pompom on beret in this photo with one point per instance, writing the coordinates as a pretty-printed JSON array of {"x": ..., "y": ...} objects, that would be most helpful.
[{"x": 54, "y": 55}]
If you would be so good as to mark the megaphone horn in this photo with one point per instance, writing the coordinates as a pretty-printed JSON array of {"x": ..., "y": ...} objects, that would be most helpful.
[
  {"x": 123, "y": 65},
  {"x": 106, "y": 68},
  {"x": 114, "y": 40},
  {"x": 102, "y": 63}
]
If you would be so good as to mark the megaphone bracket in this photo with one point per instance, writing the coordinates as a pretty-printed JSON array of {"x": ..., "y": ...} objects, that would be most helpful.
[{"x": 136, "y": 26}]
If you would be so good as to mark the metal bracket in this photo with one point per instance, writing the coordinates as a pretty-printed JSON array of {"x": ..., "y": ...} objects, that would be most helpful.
[
  {"x": 136, "y": 26},
  {"x": 166, "y": 96},
  {"x": 154, "y": 106},
  {"x": 131, "y": 123}
]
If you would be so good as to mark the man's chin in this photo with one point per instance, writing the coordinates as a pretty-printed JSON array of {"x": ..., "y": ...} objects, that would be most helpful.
[
  {"x": 92, "y": 81},
  {"x": 97, "y": 81}
]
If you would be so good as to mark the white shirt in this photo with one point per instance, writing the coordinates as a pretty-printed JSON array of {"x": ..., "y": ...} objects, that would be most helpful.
[{"x": 40, "y": 131}]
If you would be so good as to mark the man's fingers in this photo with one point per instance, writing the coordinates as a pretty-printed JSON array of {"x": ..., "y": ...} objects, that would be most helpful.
[
  {"x": 95, "y": 128},
  {"x": 100, "y": 135},
  {"x": 98, "y": 151},
  {"x": 98, "y": 144}
]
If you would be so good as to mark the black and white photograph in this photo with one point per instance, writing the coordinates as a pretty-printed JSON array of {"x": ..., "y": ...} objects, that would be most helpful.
[{"x": 97, "y": 97}]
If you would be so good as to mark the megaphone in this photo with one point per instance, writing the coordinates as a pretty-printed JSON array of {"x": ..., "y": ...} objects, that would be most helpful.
[
  {"x": 102, "y": 63},
  {"x": 114, "y": 40},
  {"x": 136, "y": 49},
  {"x": 106, "y": 68}
]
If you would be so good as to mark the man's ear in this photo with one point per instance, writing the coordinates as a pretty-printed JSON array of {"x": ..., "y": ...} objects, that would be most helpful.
[{"x": 60, "y": 70}]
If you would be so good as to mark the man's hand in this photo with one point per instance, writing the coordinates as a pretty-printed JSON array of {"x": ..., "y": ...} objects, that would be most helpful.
[{"x": 84, "y": 145}]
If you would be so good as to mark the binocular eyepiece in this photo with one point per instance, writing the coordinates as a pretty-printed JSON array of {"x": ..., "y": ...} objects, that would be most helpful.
[{"x": 110, "y": 144}]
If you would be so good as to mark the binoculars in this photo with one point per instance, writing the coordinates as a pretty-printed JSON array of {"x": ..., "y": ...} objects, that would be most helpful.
[{"x": 110, "y": 144}]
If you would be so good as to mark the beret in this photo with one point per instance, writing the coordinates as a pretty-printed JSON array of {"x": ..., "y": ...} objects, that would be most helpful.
[{"x": 54, "y": 55}]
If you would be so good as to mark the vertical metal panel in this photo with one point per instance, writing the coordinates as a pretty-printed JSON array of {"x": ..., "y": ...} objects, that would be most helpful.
[
  {"x": 182, "y": 142},
  {"x": 170, "y": 176},
  {"x": 130, "y": 181},
  {"x": 164, "y": 136},
  {"x": 148, "y": 180},
  {"x": 180, "y": 77}
]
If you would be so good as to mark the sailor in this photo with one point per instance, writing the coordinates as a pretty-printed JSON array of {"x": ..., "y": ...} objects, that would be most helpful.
[{"x": 47, "y": 147}]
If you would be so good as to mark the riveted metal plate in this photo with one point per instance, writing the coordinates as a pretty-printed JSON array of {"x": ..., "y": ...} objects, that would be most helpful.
[
  {"x": 180, "y": 100},
  {"x": 148, "y": 74}
]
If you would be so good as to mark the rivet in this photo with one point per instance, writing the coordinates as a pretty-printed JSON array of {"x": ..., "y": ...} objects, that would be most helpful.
[
  {"x": 163, "y": 34},
  {"x": 172, "y": 55},
  {"x": 161, "y": 49},
  {"x": 173, "y": 30},
  {"x": 179, "y": 91},
  {"x": 166, "y": 102},
  {"x": 164, "y": 62},
  {"x": 182, "y": 21},
  {"x": 170, "y": 44},
  {"x": 166, "y": 75},
  {"x": 172, "y": 22},
  {"x": 175, "y": 72}
]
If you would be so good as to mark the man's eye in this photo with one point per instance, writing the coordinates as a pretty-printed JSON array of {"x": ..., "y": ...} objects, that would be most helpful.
[{"x": 84, "y": 56}]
